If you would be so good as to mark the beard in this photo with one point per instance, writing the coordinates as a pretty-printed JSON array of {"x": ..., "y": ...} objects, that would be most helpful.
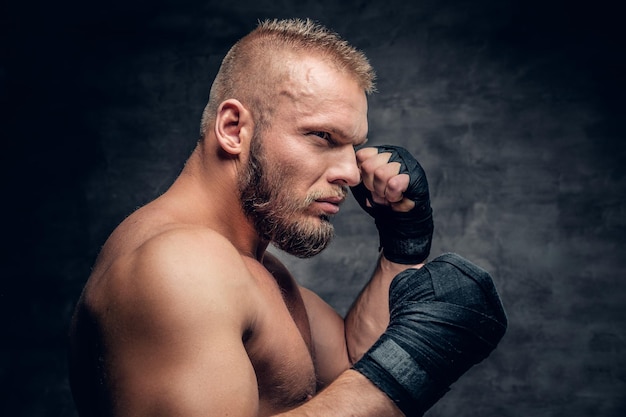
[{"x": 278, "y": 216}]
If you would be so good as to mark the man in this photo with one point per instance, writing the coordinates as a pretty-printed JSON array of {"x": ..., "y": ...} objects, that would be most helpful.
[{"x": 186, "y": 314}]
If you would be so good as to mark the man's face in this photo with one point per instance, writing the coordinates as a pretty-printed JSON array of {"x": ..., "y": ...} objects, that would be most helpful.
[
  {"x": 300, "y": 165},
  {"x": 278, "y": 214}
]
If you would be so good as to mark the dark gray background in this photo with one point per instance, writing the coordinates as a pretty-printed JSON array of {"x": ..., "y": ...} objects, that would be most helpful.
[{"x": 515, "y": 109}]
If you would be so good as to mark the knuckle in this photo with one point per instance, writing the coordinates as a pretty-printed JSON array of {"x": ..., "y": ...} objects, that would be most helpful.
[
  {"x": 369, "y": 165},
  {"x": 380, "y": 172},
  {"x": 398, "y": 183},
  {"x": 364, "y": 154}
]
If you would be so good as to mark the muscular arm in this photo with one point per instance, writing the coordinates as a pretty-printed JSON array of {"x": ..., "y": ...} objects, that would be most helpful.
[
  {"x": 368, "y": 317},
  {"x": 340, "y": 343}
]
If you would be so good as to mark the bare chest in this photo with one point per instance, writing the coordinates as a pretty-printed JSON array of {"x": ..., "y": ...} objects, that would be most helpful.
[{"x": 280, "y": 348}]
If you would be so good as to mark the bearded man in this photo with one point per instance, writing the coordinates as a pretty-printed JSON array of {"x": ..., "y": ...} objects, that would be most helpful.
[{"x": 186, "y": 314}]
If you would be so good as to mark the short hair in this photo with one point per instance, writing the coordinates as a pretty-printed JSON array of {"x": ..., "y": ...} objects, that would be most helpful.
[{"x": 251, "y": 69}]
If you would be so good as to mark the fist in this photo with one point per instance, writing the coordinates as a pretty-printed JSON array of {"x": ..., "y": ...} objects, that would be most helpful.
[
  {"x": 382, "y": 178},
  {"x": 394, "y": 191}
]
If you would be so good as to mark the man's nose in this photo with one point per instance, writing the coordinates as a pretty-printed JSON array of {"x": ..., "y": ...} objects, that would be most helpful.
[{"x": 344, "y": 169}]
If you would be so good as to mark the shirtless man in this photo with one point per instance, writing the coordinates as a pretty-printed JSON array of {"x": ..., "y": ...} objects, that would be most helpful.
[{"x": 186, "y": 314}]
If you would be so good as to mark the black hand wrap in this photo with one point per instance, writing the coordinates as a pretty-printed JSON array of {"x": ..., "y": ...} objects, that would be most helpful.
[
  {"x": 405, "y": 237},
  {"x": 445, "y": 318}
]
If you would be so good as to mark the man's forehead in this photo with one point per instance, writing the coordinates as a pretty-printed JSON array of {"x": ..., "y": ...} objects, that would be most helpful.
[
  {"x": 311, "y": 69},
  {"x": 314, "y": 77},
  {"x": 318, "y": 94}
]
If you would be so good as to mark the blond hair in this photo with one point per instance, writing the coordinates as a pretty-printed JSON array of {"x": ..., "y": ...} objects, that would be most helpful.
[{"x": 251, "y": 70}]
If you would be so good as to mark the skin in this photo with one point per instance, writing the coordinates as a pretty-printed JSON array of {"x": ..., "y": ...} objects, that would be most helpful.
[{"x": 186, "y": 314}]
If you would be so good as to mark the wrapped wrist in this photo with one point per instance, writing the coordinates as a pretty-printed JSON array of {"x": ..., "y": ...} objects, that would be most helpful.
[{"x": 403, "y": 238}]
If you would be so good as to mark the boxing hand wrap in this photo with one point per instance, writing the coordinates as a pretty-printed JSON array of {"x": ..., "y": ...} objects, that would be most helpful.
[
  {"x": 445, "y": 318},
  {"x": 405, "y": 237}
]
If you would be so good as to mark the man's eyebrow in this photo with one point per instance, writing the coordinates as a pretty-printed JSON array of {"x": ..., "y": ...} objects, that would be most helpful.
[{"x": 342, "y": 134}]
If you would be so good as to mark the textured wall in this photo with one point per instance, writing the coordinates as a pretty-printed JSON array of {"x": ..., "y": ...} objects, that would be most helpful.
[{"x": 512, "y": 107}]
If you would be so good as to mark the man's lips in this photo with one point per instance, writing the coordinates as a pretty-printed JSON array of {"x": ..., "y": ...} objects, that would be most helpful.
[{"x": 330, "y": 205}]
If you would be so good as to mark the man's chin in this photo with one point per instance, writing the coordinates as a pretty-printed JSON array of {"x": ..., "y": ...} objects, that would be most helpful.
[
  {"x": 300, "y": 252},
  {"x": 306, "y": 244}
]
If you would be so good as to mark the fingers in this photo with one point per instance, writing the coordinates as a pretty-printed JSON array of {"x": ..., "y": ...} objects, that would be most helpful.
[
  {"x": 365, "y": 153},
  {"x": 383, "y": 180}
]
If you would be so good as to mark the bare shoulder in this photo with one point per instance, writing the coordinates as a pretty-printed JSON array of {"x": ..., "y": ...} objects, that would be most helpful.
[
  {"x": 171, "y": 312},
  {"x": 179, "y": 274}
]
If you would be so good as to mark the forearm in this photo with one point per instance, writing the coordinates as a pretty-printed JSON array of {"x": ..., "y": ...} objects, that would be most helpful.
[
  {"x": 394, "y": 191},
  {"x": 368, "y": 317},
  {"x": 351, "y": 394}
]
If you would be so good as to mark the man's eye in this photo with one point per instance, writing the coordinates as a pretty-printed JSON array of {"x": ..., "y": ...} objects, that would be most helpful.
[{"x": 323, "y": 135}]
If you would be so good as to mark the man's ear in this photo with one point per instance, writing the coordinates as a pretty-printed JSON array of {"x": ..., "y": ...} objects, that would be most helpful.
[{"x": 233, "y": 126}]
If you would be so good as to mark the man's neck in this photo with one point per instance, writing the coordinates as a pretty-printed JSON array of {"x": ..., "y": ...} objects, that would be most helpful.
[{"x": 207, "y": 192}]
